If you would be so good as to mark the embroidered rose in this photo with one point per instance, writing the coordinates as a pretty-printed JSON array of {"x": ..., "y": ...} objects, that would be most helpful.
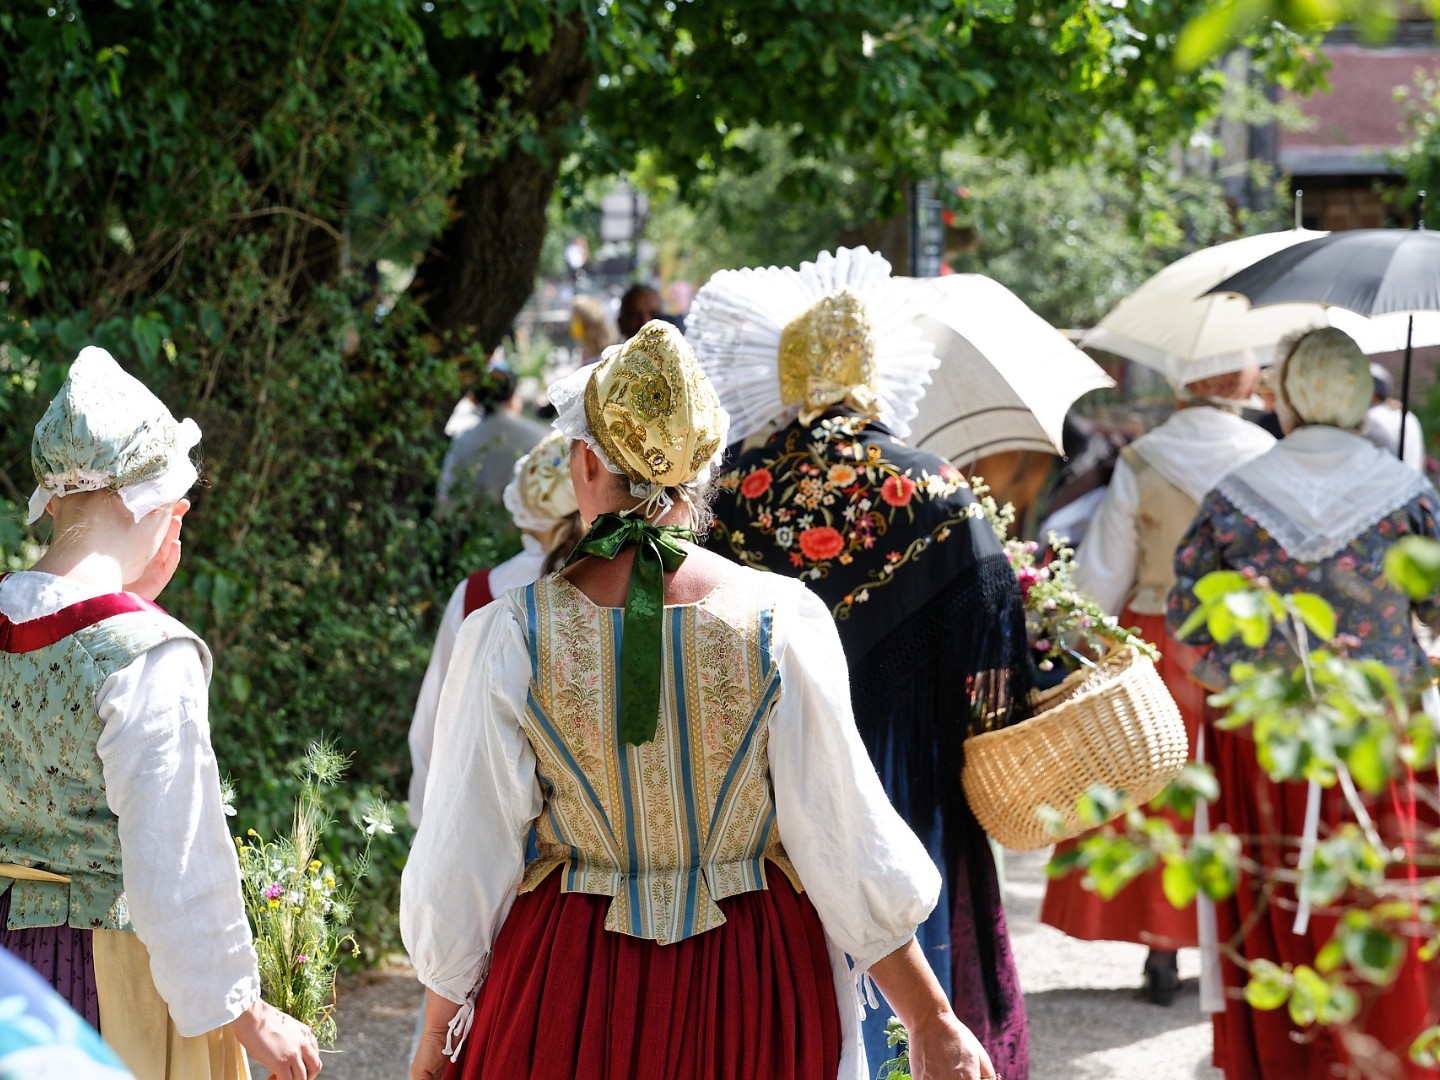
[
  {"x": 897, "y": 490},
  {"x": 821, "y": 543},
  {"x": 756, "y": 484}
]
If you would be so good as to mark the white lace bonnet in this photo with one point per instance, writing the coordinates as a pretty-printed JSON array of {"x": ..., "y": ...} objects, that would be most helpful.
[
  {"x": 780, "y": 342},
  {"x": 105, "y": 430}
]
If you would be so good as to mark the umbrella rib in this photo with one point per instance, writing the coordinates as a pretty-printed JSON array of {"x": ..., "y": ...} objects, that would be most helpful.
[{"x": 971, "y": 415}]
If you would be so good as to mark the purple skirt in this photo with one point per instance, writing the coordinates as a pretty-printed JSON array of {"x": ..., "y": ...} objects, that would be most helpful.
[{"x": 63, "y": 957}]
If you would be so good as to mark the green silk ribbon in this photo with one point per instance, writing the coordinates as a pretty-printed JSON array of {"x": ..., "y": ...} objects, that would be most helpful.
[{"x": 657, "y": 549}]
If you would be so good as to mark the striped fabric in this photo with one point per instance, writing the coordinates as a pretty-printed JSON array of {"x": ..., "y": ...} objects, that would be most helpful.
[{"x": 668, "y": 827}]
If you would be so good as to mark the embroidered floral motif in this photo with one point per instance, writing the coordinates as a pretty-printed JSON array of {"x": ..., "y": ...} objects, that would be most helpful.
[{"x": 828, "y": 497}]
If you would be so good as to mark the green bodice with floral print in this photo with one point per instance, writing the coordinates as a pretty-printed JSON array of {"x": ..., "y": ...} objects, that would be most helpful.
[{"x": 53, "y": 812}]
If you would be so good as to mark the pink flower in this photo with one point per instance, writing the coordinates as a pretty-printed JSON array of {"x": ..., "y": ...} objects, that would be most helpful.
[
  {"x": 1027, "y": 576},
  {"x": 300, "y": 959},
  {"x": 273, "y": 892}
]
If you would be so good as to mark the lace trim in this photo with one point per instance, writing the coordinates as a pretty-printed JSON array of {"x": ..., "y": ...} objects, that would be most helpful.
[{"x": 1312, "y": 545}]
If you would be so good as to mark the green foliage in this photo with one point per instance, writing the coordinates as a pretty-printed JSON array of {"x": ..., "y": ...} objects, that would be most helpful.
[
  {"x": 198, "y": 186},
  {"x": 1413, "y": 564},
  {"x": 896, "y": 83},
  {"x": 1323, "y": 718},
  {"x": 1327, "y": 713},
  {"x": 1073, "y": 240},
  {"x": 897, "y": 1038},
  {"x": 1222, "y": 24}
]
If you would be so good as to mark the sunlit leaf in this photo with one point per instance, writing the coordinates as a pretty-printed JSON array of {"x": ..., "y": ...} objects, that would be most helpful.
[
  {"x": 1268, "y": 987},
  {"x": 1316, "y": 613}
]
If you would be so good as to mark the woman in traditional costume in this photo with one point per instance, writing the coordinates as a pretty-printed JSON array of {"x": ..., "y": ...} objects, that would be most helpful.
[
  {"x": 1126, "y": 564},
  {"x": 821, "y": 371},
  {"x": 118, "y": 879},
  {"x": 713, "y": 842},
  {"x": 541, "y": 501},
  {"x": 1316, "y": 513}
]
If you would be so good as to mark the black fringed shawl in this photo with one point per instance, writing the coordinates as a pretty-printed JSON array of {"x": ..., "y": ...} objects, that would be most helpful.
[
  {"x": 934, "y": 633},
  {"x": 928, "y": 610}
]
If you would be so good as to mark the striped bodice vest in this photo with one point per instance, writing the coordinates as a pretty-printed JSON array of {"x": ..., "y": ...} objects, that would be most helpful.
[{"x": 668, "y": 827}]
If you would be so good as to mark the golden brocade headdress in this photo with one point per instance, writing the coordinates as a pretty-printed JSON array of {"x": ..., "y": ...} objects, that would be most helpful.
[
  {"x": 780, "y": 342},
  {"x": 540, "y": 495},
  {"x": 648, "y": 410}
]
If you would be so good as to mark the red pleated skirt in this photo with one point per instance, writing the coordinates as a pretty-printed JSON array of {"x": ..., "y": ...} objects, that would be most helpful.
[
  {"x": 567, "y": 998},
  {"x": 1139, "y": 912},
  {"x": 1251, "y": 1044}
]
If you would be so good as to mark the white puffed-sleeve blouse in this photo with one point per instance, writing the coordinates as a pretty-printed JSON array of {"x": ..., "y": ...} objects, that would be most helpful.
[{"x": 865, "y": 871}]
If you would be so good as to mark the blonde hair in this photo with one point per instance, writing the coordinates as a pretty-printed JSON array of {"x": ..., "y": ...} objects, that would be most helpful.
[{"x": 596, "y": 330}]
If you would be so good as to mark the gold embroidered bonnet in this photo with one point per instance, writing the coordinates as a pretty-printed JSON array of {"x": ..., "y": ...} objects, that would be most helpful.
[
  {"x": 647, "y": 409},
  {"x": 781, "y": 342},
  {"x": 540, "y": 495}
]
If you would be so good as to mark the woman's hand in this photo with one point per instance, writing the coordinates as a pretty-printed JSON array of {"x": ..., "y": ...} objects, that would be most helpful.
[
  {"x": 161, "y": 567},
  {"x": 945, "y": 1049},
  {"x": 430, "y": 1060},
  {"x": 941, "y": 1047},
  {"x": 280, "y": 1043}
]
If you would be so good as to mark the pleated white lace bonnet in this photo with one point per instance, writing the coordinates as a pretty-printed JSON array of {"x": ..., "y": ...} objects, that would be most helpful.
[{"x": 780, "y": 342}]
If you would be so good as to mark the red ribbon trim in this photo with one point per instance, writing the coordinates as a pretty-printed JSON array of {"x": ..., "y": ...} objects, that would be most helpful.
[{"x": 23, "y": 637}]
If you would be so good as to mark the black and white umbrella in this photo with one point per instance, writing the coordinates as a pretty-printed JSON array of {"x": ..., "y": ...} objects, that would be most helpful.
[{"x": 1372, "y": 272}]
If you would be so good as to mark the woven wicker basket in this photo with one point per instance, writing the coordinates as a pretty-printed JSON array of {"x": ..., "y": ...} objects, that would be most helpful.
[{"x": 1115, "y": 725}]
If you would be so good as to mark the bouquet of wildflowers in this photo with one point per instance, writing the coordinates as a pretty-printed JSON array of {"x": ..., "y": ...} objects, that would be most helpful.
[
  {"x": 298, "y": 903},
  {"x": 1066, "y": 628}
]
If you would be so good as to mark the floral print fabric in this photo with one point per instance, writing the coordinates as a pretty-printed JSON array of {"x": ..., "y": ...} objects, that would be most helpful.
[
  {"x": 1372, "y": 615},
  {"x": 53, "y": 812},
  {"x": 838, "y": 509}
]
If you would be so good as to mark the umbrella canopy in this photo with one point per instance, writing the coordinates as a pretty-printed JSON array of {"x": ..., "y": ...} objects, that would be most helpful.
[
  {"x": 1368, "y": 271},
  {"x": 1006, "y": 377},
  {"x": 1168, "y": 325},
  {"x": 1372, "y": 272}
]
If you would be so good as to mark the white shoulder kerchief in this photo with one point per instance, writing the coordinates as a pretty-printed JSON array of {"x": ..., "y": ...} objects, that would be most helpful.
[
  {"x": 1319, "y": 488},
  {"x": 1199, "y": 445}
]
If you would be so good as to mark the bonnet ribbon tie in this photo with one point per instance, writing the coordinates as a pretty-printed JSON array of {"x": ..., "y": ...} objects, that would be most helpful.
[{"x": 657, "y": 550}]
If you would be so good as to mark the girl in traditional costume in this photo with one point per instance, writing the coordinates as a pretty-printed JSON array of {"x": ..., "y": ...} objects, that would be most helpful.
[
  {"x": 822, "y": 369},
  {"x": 1126, "y": 564},
  {"x": 541, "y": 501},
  {"x": 713, "y": 842},
  {"x": 1315, "y": 513},
  {"x": 118, "y": 879}
]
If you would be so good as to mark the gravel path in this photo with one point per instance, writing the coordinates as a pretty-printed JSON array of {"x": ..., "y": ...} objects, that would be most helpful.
[{"x": 1087, "y": 1019}]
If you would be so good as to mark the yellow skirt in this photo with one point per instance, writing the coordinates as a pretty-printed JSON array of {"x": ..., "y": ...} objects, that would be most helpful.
[{"x": 136, "y": 1022}]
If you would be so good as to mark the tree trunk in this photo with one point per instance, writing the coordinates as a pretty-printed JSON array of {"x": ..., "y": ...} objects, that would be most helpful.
[{"x": 479, "y": 273}]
